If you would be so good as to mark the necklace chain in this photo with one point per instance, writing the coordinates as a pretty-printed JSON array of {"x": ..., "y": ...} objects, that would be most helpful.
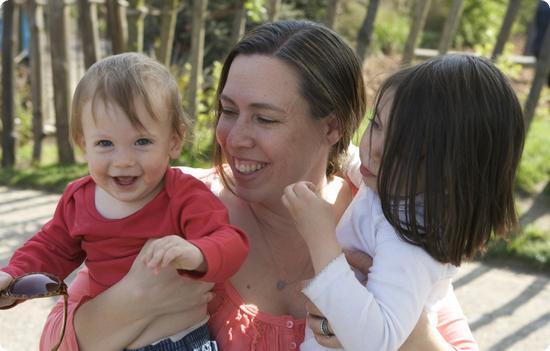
[{"x": 281, "y": 283}]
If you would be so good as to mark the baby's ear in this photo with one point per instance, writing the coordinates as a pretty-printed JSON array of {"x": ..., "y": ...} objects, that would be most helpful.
[
  {"x": 332, "y": 129},
  {"x": 176, "y": 142}
]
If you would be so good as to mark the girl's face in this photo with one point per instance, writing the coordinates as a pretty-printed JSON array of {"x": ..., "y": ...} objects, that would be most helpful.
[
  {"x": 266, "y": 131},
  {"x": 371, "y": 147}
]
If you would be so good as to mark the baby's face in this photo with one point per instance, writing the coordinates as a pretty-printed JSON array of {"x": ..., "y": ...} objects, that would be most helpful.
[{"x": 128, "y": 163}]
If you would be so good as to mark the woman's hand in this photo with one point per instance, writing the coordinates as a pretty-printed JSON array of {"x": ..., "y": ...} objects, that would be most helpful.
[
  {"x": 359, "y": 261},
  {"x": 116, "y": 317},
  {"x": 314, "y": 320},
  {"x": 165, "y": 292}
]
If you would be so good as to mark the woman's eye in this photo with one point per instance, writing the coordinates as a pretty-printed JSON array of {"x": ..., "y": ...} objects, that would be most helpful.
[
  {"x": 104, "y": 143},
  {"x": 227, "y": 112},
  {"x": 266, "y": 120},
  {"x": 143, "y": 141}
]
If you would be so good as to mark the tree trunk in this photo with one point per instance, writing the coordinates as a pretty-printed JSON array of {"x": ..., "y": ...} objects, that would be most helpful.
[
  {"x": 136, "y": 16},
  {"x": 57, "y": 15},
  {"x": 542, "y": 69},
  {"x": 197, "y": 48},
  {"x": 506, "y": 28},
  {"x": 332, "y": 11},
  {"x": 36, "y": 23},
  {"x": 117, "y": 25},
  {"x": 273, "y": 10},
  {"x": 8, "y": 91},
  {"x": 450, "y": 26},
  {"x": 169, "y": 15},
  {"x": 239, "y": 21},
  {"x": 365, "y": 32},
  {"x": 420, "y": 13},
  {"x": 87, "y": 16}
]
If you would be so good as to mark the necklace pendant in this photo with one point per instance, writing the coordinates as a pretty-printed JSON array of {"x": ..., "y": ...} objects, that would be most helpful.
[{"x": 281, "y": 284}]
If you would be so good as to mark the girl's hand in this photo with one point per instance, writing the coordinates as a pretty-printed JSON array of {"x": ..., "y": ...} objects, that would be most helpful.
[
  {"x": 174, "y": 251},
  {"x": 5, "y": 280},
  {"x": 313, "y": 216}
]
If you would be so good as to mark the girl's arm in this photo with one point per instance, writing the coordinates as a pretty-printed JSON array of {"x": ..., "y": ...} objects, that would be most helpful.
[
  {"x": 116, "y": 317},
  {"x": 452, "y": 332}
]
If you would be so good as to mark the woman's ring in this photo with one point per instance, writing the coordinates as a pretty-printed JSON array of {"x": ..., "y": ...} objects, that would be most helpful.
[{"x": 324, "y": 328}]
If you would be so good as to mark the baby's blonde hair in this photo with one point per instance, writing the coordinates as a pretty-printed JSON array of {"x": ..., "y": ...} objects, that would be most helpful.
[{"x": 121, "y": 79}]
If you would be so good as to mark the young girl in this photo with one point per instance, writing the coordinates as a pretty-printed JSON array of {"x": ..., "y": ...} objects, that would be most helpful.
[
  {"x": 438, "y": 162},
  {"x": 128, "y": 120}
]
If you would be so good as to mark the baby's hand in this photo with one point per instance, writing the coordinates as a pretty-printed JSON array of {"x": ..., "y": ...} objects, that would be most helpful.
[
  {"x": 5, "y": 280},
  {"x": 314, "y": 216},
  {"x": 175, "y": 251}
]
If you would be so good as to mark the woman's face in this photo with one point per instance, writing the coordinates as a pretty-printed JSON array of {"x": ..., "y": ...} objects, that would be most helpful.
[{"x": 266, "y": 131}]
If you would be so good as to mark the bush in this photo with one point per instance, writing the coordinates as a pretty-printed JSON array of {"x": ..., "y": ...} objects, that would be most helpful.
[{"x": 390, "y": 31}]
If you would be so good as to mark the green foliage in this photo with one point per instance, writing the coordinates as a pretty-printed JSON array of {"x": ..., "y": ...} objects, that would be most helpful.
[
  {"x": 52, "y": 178},
  {"x": 390, "y": 31},
  {"x": 480, "y": 22},
  {"x": 531, "y": 246},
  {"x": 508, "y": 67},
  {"x": 255, "y": 10},
  {"x": 197, "y": 151},
  {"x": 535, "y": 162}
]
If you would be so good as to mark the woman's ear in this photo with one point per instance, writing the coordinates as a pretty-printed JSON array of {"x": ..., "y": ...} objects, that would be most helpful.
[
  {"x": 332, "y": 129},
  {"x": 176, "y": 142}
]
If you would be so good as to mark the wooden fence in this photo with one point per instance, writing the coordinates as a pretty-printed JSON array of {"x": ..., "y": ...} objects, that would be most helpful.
[{"x": 125, "y": 27}]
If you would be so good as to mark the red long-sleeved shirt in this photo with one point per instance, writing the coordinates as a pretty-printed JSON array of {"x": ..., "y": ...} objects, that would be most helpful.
[{"x": 77, "y": 232}]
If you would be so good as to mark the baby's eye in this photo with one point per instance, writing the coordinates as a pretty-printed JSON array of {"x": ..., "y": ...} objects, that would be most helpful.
[
  {"x": 143, "y": 141},
  {"x": 104, "y": 143}
]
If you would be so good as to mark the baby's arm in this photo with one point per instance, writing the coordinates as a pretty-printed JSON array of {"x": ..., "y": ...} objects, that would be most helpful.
[
  {"x": 174, "y": 251},
  {"x": 52, "y": 249},
  {"x": 315, "y": 221},
  {"x": 204, "y": 222}
]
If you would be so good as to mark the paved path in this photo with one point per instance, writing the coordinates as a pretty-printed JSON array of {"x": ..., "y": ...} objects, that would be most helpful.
[{"x": 507, "y": 309}]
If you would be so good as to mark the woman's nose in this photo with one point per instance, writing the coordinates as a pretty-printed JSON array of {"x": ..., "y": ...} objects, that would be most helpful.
[{"x": 241, "y": 134}]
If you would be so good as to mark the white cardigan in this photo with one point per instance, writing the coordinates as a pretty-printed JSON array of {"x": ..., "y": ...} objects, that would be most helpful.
[{"x": 403, "y": 280}]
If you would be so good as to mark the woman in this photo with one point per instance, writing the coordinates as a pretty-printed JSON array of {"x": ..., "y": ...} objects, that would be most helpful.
[{"x": 291, "y": 95}]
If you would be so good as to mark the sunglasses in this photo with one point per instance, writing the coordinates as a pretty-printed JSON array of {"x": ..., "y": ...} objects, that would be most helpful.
[{"x": 35, "y": 285}]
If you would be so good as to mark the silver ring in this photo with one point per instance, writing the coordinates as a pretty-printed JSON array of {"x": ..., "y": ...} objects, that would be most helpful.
[{"x": 324, "y": 328}]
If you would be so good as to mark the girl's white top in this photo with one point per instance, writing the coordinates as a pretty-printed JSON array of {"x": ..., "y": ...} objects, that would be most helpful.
[{"x": 403, "y": 280}]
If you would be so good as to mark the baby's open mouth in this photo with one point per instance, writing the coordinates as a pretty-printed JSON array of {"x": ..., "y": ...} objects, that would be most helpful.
[{"x": 125, "y": 180}]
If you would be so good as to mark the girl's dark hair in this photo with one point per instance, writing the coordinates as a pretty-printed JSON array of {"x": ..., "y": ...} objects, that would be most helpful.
[
  {"x": 455, "y": 134},
  {"x": 329, "y": 72}
]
